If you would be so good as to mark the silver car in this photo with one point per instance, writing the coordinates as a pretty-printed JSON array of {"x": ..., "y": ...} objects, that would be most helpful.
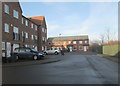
[{"x": 52, "y": 51}]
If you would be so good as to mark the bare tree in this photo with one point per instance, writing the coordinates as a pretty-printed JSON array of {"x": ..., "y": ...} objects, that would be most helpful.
[
  {"x": 108, "y": 35},
  {"x": 102, "y": 38}
]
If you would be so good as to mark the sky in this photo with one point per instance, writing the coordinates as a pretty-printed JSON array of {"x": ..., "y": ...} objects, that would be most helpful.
[{"x": 76, "y": 18}]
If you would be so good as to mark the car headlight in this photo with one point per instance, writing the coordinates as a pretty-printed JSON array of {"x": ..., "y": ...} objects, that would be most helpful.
[{"x": 40, "y": 54}]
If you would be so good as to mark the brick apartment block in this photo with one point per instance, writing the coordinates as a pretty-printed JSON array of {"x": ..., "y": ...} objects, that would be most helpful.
[
  {"x": 18, "y": 30},
  {"x": 74, "y": 43}
]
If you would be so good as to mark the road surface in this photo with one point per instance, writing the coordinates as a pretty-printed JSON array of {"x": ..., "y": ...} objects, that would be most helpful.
[{"x": 74, "y": 68}]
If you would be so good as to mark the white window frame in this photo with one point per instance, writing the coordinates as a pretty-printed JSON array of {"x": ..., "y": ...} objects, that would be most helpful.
[
  {"x": 43, "y": 38},
  {"x": 32, "y": 37},
  {"x": 36, "y": 37},
  {"x": 42, "y": 47},
  {"x": 15, "y": 29},
  {"x": 86, "y": 41},
  {"x": 22, "y": 21},
  {"x": 74, "y": 42},
  {"x": 26, "y": 22},
  {"x": 42, "y": 29},
  {"x": 32, "y": 25},
  {"x": 15, "y": 14},
  {"x": 69, "y": 42},
  {"x": 6, "y": 27},
  {"x": 26, "y": 35},
  {"x": 3, "y": 45},
  {"x": 80, "y": 42},
  {"x": 6, "y": 8},
  {"x": 36, "y": 27}
]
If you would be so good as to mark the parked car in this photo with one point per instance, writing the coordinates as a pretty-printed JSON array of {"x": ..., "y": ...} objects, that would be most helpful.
[
  {"x": 26, "y": 53},
  {"x": 52, "y": 51}
]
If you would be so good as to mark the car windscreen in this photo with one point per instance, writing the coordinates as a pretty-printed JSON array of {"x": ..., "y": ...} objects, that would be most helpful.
[{"x": 34, "y": 50}]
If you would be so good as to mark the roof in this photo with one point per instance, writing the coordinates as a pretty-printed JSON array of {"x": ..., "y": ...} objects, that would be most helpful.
[
  {"x": 29, "y": 19},
  {"x": 37, "y": 19},
  {"x": 67, "y": 38}
]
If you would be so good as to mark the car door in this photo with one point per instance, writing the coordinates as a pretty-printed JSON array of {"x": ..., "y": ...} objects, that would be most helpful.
[
  {"x": 21, "y": 53},
  {"x": 48, "y": 51},
  {"x": 28, "y": 54}
]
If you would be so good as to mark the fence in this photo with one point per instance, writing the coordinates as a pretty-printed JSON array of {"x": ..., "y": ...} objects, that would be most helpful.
[{"x": 112, "y": 50}]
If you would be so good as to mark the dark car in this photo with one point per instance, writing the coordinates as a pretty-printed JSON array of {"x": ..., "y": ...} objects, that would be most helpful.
[{"x": 26, "y": 53}]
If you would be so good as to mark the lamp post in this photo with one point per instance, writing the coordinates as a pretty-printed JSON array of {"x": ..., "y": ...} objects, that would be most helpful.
[{"x": 59, "y": 40}]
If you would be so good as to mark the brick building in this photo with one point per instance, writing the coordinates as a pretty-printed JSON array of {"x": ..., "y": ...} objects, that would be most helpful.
[
  {"x": 18, "y": 30},
  {"x": 74, "y": 43},
  {"x": 42, "y": 31}
]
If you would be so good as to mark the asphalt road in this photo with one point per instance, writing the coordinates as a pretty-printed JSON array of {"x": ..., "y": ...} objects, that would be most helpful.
[{"x": 74, "y": 68}]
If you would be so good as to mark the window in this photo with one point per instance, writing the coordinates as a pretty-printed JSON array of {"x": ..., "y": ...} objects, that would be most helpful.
[
  {"x": 26, "y": 45},
  {"x": 15, "y": 14},
  {"x": 42, "y": 47},
  {"x": 43, "y": 38},
  {"x": 80, "y": 42},
  {"x": 22, "y": 50},
  {"x": 74, "y": 42},
  {"x": 35, "y": 37},
  {"x": 6, "y": 9},
  {"x": 75, "y": 48},
  {"x": 31, "y": 25},
  {"x": 3, "y": 45},
  {"x": 45, "y": 30},
  {"x": 69, "y": 42},
  {"x": 26, "y": 35},
  {"x": 6, "y": 27},
  {"x": 32, "y": 37},
  {"x": 28, "y": 50},
  {"x": 85, "y": 41},
  {"x": 64, "y": 42},
  {"x": 26, "y": 22},
  {"x": 15, "y": 33},
  {"x": 80, "y": 47},
  {"x": 22, "y": 21},
  {"x": 36, "y": 27},
  {"x": 15, "y": 30},
  {"x": 42, "y": 29}
]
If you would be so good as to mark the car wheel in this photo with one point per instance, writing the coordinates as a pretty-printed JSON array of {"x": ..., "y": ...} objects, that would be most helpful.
[
  {"x": 56, "y": 53},
  {"x": 35, "y": 57}
]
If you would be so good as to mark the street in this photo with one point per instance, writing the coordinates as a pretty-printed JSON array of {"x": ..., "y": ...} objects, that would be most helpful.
[{"x": 73, "y": 68}]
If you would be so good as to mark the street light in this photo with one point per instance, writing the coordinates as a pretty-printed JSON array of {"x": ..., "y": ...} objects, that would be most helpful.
[{"x": 59, "y": 40}]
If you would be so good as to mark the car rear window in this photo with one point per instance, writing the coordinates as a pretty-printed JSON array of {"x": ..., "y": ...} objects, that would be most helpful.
[
  {"x": 28, "y": 50},
  {"x": 22, "y": 50}
]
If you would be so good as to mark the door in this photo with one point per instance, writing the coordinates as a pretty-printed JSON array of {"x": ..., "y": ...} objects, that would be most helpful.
[
  {"x": 8, "y": 48},
  {"x": 70, "y": 49},
  {"x": 85, "y": 48}
]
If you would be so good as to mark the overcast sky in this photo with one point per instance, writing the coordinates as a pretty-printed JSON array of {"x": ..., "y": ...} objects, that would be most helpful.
[{"x": 76, "y": 18}]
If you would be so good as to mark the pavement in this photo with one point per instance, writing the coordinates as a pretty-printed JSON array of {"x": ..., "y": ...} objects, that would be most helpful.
[{"x": 47, "y": 59}]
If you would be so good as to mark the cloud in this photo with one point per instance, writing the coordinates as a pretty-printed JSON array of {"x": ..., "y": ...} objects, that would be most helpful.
[{"x": 100, "y": 17}]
